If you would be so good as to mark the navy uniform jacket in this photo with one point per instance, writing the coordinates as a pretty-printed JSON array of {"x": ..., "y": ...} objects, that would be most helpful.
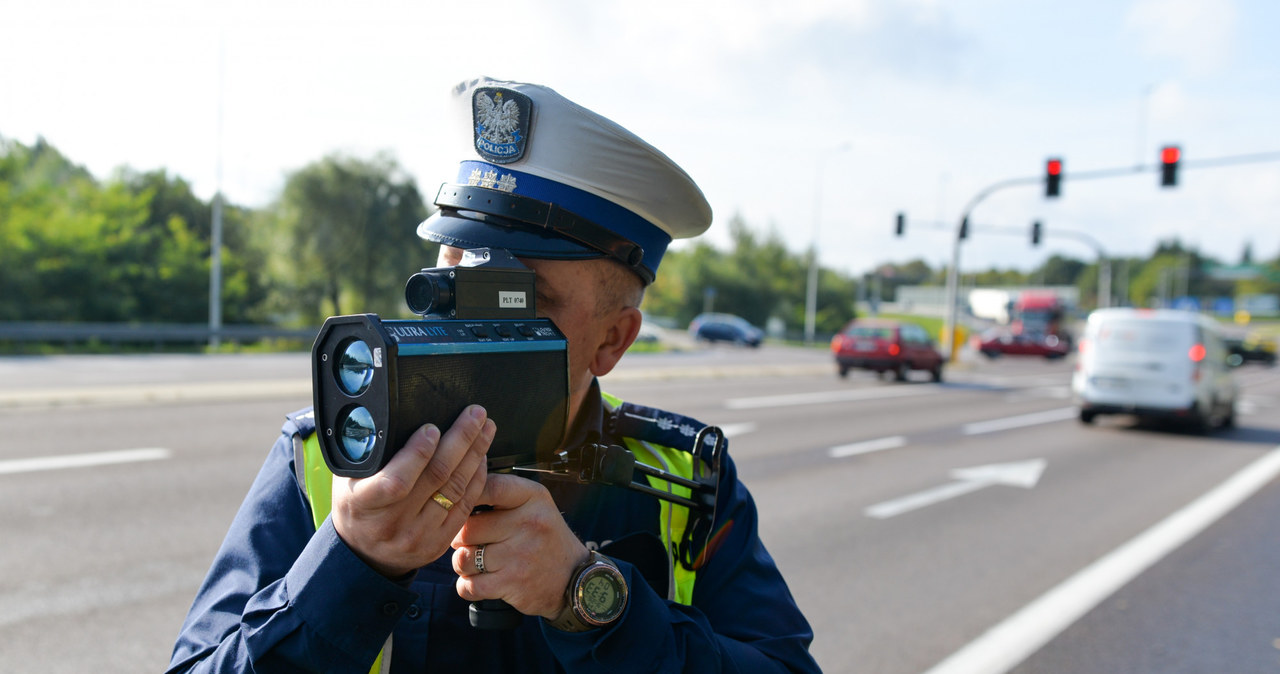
[{"x": 283, "y": 596}]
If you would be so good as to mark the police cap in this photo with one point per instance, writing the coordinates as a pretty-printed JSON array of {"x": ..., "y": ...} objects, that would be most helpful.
[{"x": 546, "y": 178}]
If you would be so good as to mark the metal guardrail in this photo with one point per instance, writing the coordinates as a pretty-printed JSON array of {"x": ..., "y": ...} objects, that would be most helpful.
[{"x": 145, "y": 333}]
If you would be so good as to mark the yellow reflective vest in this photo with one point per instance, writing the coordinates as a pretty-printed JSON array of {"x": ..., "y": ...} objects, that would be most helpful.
[{"x": 317, "y": 482}]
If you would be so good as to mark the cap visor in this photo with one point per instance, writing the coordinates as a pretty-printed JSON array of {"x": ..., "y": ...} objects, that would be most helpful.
[{"x": 459, "y": 232}]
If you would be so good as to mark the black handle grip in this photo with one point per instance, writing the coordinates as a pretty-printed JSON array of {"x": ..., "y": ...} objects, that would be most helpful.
[{"x": 494, "y": 614}]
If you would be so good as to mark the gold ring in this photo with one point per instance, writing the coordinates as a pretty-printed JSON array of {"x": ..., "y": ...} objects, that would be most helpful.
[{"x": 442, "y": 500}]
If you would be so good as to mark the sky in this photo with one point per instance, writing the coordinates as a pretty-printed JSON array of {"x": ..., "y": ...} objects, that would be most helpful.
[{"x": 813, "y": 120}]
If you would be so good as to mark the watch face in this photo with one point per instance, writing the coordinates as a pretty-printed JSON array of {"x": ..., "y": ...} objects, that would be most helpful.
[{"x": 601, "y": 595}]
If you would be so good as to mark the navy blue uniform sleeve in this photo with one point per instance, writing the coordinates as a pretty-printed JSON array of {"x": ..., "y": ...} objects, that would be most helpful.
[
  {"x": 743, "y": 617},
  {"x": 284, "y": 596}
]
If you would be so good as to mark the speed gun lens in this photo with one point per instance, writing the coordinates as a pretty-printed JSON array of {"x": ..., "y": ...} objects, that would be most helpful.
[
  {"x": 358, "y": 434},
  {"x": 355, "y": 368}
]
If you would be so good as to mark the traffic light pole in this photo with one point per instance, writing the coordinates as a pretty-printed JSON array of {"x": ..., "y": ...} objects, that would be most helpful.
[{"x": 953, "y": 273}]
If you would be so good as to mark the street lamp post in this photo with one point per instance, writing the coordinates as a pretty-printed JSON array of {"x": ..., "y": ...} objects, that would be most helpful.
[
  {"x": 811, "y": 291},
  {"x": 215, "y": 244}
]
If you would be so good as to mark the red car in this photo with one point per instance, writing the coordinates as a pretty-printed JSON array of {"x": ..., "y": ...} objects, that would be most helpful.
[
  {"x": 884, "y": 345},
  {"x": 996, "y": 343}
]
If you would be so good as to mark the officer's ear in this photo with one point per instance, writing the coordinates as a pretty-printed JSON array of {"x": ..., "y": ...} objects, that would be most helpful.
[{"x": 616, "y": 337}]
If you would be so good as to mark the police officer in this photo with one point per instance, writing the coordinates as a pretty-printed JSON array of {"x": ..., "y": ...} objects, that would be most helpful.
[{"x": 324, "y": 573}]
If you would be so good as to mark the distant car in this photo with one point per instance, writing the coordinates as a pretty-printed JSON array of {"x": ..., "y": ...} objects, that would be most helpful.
[
  {"x": 1252, "y": 348},
  {"x": 725, "y": 328},
  {"x": 996, "y": 343},
  {"x": 649, "y": 331},
  {"x": 1157, "y": 363},
  {"x": 648, "y": 334},
  {"x": 884, "y": 345}
]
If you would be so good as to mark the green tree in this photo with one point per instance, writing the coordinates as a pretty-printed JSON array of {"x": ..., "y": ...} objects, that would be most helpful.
[
  {"x": 1060, "y": 271},
  {"x": 1173, "y": 270},
  {"x": 348, "y": 230},
  {"x": 893, "y": 276},
  {"x": 1000, "y": 277},
  {"x": 176, "y": 238},
  {"x": 134, "y": 249},
  {"x": 757, "y": 278},
  {"x": 62, "y": 240}
]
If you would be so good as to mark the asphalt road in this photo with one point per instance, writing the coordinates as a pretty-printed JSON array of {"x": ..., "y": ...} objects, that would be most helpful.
[{"x": 969, "y": 523}]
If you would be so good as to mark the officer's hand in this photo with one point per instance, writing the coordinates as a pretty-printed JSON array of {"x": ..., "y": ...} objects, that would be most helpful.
[
  {"x": 390, "y": 520},
  {"x": 529, "y": 553}
]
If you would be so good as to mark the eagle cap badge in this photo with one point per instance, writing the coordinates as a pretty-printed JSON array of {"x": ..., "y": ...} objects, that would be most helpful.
[{"x": 501, "y": 120}]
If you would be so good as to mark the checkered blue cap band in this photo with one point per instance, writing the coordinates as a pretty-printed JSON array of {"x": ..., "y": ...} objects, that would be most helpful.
[{"x": 455, "y": 228}]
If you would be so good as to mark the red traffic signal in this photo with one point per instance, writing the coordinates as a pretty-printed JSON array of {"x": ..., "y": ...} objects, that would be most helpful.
[
  {"x": 1035, "y": 233},
  {"x": 1053, "y": 177},
  {"x": 1169, "y": 157}
]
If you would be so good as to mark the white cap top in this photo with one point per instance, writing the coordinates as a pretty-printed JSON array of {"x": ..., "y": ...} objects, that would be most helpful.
[{"x": 544, "y": 177}]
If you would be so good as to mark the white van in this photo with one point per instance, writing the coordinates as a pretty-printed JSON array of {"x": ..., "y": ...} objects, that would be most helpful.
[{"x": 1154, "y": 363}]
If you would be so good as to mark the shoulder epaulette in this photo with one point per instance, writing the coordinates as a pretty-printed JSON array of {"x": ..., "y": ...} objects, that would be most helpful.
[
  {"x": 650, "y": 424},
  {"x": 303, "y": 421}
]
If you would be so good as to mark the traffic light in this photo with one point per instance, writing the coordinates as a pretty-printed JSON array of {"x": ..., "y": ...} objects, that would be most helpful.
[
  {"x": 902, "y": 224},
  {"x": 1169, "y": 156},
  {"x": 1035, "y": 233},
  {"x": 1053, "y": 177},
  {"x": 964, "y": 229}
]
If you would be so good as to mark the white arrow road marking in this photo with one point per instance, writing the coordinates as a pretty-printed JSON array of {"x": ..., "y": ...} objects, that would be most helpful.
[
  {"x": 1023, "y": 474},
  {"x": 839, "y": 396},
  {"x": 1033, "y": 419},
  {"x": 867, "y": 446},
  {"x": 82, "y": 460},
  {"x": 1005, "y": 645}
]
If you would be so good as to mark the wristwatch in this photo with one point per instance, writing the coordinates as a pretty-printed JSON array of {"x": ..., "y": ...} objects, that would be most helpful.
[{"x": 596, "y": 596}]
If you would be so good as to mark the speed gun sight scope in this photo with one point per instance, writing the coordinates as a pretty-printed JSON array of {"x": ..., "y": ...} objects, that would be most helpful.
[{"x": 479, "y": 341}]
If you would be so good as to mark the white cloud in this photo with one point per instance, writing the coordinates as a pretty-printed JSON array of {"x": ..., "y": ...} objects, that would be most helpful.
[
  {"x": 1196, "y": 33},
  {"x": 939, "y": 99}
]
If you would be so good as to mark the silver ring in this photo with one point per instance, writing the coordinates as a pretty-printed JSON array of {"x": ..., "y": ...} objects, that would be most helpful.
[{"x": 480, "y": 559}]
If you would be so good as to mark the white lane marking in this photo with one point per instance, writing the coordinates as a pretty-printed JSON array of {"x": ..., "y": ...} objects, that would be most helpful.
[
  {"x": 1033, "y": 419},
  {"x": 867, "y": 446},
  {"x": 235, "y": 391},
  {"x": 1018, "y": 381},
  {"x": 1025, "y": 474},
  {"x": 819, "y": 397},
  {"x": 1007, "y": 644},
  {"x": 1054, "y": 392},
  {"x": 731, "y": 430},
  {"x": 82, "y": 460}
]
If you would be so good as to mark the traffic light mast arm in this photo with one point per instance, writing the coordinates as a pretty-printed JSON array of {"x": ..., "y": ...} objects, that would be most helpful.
[
  {"x": 1183, "y": 163},
  {"x": 953, "y": 273},
  {"x": 1228, "y": 161},
  {"x": 1078, "y": 236},
  {"x": 1104, "y": 262}
]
